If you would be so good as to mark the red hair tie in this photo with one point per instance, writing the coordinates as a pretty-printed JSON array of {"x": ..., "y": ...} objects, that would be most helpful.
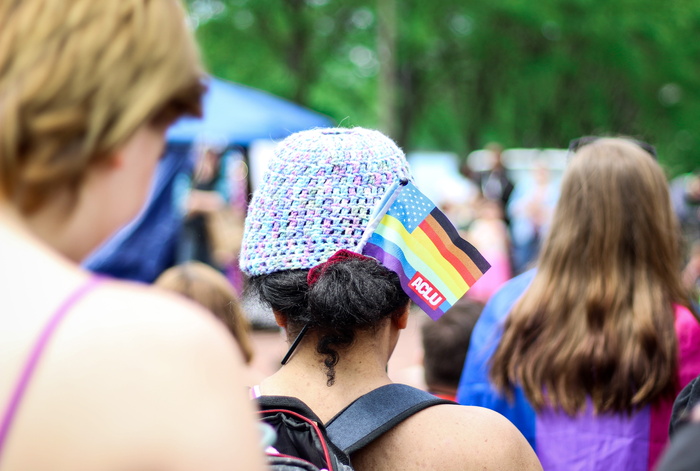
[{"x": 340, "y": 256}]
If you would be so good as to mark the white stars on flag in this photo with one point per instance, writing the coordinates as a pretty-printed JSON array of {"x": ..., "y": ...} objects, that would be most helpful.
[{"x": 411, "y": 207}]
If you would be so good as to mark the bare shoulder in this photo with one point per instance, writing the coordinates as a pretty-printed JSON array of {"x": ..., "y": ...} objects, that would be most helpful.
[
  {"x": 176, "y": 345},
  {"x": 158, "y": 318},
  {"x": 452, "y": 437},
  {"x": 161, "y": 378}
]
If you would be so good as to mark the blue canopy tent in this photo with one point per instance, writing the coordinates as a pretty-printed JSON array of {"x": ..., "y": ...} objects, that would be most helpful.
[
  {"x": 242, "y": 114},
  {"x": 235, "y": 113}
]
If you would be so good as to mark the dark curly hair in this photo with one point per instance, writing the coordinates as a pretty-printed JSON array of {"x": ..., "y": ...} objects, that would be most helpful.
[{"x": 351, "y": 295}]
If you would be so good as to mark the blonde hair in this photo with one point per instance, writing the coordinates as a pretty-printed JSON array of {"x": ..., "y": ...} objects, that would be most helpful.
[
  {"x": 598, "y": 320},
  {"x": 211, "y": 290},
  {"x": 78, "y": 78}
]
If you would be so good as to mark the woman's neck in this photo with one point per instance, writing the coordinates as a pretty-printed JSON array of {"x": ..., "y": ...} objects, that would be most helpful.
[
  {"x": 360, "y": 369},
  {"x": 71, "y": 232},
  {"x": 18, "y": 242}
]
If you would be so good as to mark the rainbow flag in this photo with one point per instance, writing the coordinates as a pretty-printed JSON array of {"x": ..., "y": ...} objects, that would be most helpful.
[{"x": 411, "y": 236}]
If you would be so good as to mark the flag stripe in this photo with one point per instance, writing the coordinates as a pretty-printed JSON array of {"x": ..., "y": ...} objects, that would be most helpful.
[
  {"x": 423, "y": 251},
  {"x": 396, "y": 265},
  {"x": 450, "y": 251},
  {"x": 455, "y": 279},
  {"x": 393, "y": 251},
  {"x": 410, "y": 261},
  {"x": 478, "y": 259},
  {"x": 411, "y": 236},
  {"x": 392, "y": 230}
]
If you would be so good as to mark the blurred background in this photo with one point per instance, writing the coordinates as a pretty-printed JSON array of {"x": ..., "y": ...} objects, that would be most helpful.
[
  {"x": 453, "y": 75},
  {"x": 484, "y": 97}
]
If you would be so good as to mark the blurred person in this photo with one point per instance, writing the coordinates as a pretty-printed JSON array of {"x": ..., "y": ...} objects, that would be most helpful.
[
  {"x": 685, "y": 407},
  {"x": 445, "y": 345},
  {"x": 489, "y": 234},
  {"x": 683, "y": 453},
  {"x": 494, "y": 183},
  {"x": 98, "y": 374},
  {"x": 204, "y": 198},
  {"x": 212, "y": 290},
  {"x": 685, "y": 198},
  {"x": 691, "y": 272},
  {"x": 586, "y": 353},
  {"x": 343, "y": 312},
  {"x": 530, "y": 211}
]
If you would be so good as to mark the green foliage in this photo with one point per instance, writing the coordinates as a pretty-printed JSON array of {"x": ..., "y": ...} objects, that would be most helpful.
[{"x": 528, "y": 74}]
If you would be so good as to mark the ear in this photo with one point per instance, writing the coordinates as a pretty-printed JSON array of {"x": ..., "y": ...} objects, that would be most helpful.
[
  {"x": 114, "y": 160},
  {"x": 401, "y": 321},
  {"x": 280, "y": 318}
]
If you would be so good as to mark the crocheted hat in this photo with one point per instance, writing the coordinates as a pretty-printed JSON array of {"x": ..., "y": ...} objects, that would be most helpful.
[{"x": 317, "y": 196}]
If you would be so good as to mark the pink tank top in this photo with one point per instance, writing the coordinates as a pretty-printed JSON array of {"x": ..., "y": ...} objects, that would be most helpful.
[{"x": 35, "y": 355}]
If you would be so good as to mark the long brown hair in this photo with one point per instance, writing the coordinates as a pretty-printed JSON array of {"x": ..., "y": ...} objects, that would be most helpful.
[{"x": 597, "y": 321}]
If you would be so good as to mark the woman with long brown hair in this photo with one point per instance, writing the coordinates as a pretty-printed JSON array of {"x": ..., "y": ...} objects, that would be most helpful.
[{"x": 586, "y": 352}]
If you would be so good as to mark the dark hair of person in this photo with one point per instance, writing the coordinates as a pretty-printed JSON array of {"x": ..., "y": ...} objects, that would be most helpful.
[
  {"x": 349, "y": 296},
  {"x": 445, "y": 344}
]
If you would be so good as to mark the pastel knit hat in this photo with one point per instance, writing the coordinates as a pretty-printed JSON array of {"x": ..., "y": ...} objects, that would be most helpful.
[{"x": 317, "y": 196}]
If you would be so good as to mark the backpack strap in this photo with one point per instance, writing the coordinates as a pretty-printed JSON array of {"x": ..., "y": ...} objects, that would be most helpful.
[{"x": 375, "y": 413}]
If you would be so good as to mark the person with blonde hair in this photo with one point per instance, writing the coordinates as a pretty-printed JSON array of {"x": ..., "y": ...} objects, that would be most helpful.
[
  {"x": 210, "y": 289},
  {"x": 586, "y": 352},
  {"x": 94, "y": 373}
]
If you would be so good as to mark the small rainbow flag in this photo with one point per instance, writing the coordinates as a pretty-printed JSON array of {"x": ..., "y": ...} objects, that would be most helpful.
[{"x": 409, "y": 235}]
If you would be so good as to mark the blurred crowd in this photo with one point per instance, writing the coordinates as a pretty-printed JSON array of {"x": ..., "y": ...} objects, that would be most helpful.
[{"x": 504, "y": 218}]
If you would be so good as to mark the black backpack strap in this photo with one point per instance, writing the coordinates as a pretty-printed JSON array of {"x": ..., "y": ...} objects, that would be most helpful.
[
  {"x": 286, "y": 402},
  {"x": 375, "y": 413}
]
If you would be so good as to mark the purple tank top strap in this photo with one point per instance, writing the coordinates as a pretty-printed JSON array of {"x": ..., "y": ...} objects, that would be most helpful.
[{"x": 35, "y": 355}]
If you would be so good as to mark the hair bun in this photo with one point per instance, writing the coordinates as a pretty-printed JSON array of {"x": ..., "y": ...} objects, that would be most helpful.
[{"x": 354, "y": 293}]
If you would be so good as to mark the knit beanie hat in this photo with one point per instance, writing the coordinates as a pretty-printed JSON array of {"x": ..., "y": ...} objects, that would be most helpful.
[{"x": 317, "y": 196}]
